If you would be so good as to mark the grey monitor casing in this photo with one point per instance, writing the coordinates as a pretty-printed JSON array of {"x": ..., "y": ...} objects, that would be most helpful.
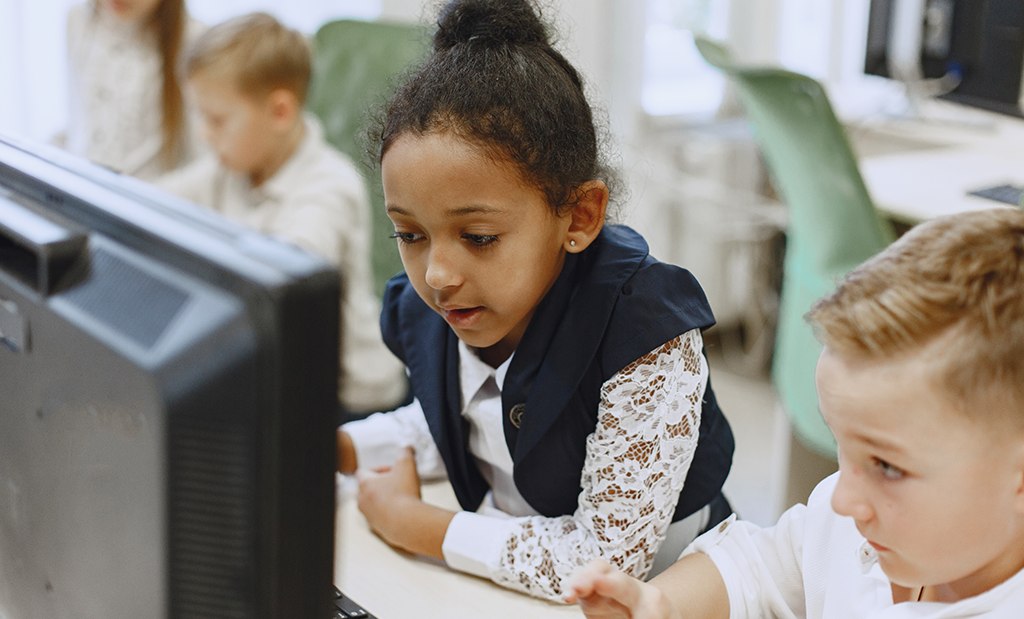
[{"x": 167, "y": 405}]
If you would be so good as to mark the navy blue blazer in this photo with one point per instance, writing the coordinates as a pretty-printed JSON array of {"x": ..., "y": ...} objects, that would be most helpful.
[{"x": 611, "y": 304}]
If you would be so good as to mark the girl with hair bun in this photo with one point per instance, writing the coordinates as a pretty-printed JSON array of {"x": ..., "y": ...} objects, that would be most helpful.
[{"x": 558, "y": 369}]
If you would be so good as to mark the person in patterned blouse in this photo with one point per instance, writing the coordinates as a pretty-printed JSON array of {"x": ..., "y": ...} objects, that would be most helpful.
[
  {"x": 126, "y": 110},
  {"x": 557, "y": 368}
]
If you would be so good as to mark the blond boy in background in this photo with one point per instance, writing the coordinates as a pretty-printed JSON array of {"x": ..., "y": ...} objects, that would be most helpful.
[
  {"x": 922, "y": 383},
  {"x": 271, "y": 170}
]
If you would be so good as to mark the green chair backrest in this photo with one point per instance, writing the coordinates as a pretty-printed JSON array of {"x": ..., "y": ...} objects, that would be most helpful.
[
  {"x": 355, "y": 68},
  {"x": 832, "y": 223}
]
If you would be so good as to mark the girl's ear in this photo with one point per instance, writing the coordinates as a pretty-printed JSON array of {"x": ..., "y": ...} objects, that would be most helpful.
[{"x": 587, "y": 216}]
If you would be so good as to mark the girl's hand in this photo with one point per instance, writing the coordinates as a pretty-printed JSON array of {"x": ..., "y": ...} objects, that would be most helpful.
[
  {"x": 387, "y": 495},
  {"x": 347, "y": 460},
  {"x": 604, "y": 592}
]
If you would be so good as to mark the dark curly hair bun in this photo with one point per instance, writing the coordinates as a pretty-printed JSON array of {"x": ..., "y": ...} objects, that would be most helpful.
[
  {"x": 489, "y": 23},
  {"x": 495, "y": 80}
]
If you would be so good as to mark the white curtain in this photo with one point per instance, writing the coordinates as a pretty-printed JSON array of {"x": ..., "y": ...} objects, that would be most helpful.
[
  {"x": 824, "y": 38},
  {"x": 33, "y": 66},
  {"x": 303, "y": 15},
  {"x": 821, "y": 37}
]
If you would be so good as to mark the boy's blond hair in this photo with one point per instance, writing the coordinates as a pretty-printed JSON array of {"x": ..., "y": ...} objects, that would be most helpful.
[
  {"x": 960, "y": 278},
  {"x": 256, "y": 53}
]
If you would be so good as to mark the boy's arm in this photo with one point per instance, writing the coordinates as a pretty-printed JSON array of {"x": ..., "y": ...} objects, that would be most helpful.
[
  {"x": 763, "y": 568},
  {"x": 194, "y": 182},
  {"x": 694, "y": 588},
  {"x": 691, "y": 587}
]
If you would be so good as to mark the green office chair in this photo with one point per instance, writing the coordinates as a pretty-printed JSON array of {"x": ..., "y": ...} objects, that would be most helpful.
[
  {"x": 355, "y": 68},
  {"x": 832, "y": 222}
]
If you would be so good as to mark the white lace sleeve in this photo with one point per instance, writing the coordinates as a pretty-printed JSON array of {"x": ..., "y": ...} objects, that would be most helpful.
[{"x": 636, "y": 462}]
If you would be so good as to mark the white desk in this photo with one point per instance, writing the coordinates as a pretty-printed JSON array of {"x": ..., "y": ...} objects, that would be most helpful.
[
  {"x": 932, "y": 165},
  {"x": 394, "y": 585}
]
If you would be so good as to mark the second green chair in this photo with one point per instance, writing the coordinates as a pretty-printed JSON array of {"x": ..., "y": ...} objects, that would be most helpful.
[
  {"x": 832, "y": 222},
  {"x": 355, "y": 67}
]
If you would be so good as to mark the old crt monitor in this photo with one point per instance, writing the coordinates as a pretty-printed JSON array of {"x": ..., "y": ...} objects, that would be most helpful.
[
  {"x": 977, "y": 46},
  {"x": 167, "y": 405}
]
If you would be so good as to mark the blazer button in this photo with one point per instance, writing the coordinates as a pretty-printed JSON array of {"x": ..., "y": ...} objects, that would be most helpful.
[{"x": 516, "y": 415}]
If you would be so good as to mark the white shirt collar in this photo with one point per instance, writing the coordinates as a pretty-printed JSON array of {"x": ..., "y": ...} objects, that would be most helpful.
[
  {"x": 277, "y": 186},
  {"x": 473, "y": 373}
]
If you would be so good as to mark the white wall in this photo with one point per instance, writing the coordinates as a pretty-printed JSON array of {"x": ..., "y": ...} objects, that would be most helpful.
[
  {"x": 602, "y": 38},
  {"x": 32, "y": 82},
  {"x": 10, "y": 108},
  {"x": 405, "y": 10},
  {"x": 303, "y": 15}
]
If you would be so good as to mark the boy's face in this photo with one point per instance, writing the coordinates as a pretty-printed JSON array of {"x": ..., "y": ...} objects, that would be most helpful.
[
  {"x": 244, "y": 132},
  {"x": 936, "y": 491},
  {"x": 481, "y": 246}
]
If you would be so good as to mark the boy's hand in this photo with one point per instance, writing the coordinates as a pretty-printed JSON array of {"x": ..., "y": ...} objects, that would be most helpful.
[{"x": 604, "y": 592}]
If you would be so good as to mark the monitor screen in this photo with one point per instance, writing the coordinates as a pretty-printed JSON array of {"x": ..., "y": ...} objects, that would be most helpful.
[
  {"x": 167, "y": 405},
  {"x": 980, "y": 42}
]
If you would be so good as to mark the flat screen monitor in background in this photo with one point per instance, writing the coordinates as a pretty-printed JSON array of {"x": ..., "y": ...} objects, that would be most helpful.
[
  {"x": 167, "y": 405},
  {"x": 972, "y": 51}
]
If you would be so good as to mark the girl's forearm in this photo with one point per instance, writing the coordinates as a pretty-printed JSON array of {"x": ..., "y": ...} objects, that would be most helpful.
[
  {"x": 422, "y": 529},
  {"x": 347, "y": 463}
]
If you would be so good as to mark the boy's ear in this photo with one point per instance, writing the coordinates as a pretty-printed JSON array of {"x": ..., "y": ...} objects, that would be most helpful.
[
  {"x": 1019, "y": 474},
  {"x": 586, "y": 216},
  {"x": 283, "y": 105}
]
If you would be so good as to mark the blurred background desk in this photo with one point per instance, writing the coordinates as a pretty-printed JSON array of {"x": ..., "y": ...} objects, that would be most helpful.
[
  {"x": 916, "y": 169},
  {"x": 394, "y": 585}
]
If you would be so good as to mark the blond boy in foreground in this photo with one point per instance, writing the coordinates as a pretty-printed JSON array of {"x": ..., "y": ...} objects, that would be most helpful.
[{"x": 922, "y": 383}]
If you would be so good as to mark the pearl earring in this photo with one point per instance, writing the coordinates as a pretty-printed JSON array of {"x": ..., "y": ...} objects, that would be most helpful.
[{"x": 572, "y": 242}]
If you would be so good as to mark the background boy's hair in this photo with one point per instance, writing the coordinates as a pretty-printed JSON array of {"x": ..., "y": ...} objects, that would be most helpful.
[
  {"x": 960, "y": 277},
  {"x": 257, "y": 53},
  {"x": 494, "y": 79}
]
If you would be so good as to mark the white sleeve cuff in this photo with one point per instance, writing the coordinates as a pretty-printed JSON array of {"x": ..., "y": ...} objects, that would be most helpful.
[
  {"x": 474, "y": 543},
  {"x": 379, "y": 439}
]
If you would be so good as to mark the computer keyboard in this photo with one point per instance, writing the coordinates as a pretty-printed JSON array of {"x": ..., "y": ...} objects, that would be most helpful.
[
  {"x": 1009, "y": 194},
  {"x": 345, "y": 608}
]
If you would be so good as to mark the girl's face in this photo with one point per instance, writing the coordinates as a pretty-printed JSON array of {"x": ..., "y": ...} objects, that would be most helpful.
[
  {"x": 131, "y": 11},
  {"x": 480, "y": 245},
  {"x": 935, "y": 490}
]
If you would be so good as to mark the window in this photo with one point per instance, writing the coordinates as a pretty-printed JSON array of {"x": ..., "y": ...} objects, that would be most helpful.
[{"x": 677, "y": 81}]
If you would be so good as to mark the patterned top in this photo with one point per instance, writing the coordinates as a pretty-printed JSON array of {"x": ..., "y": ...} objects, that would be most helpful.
[
  {"x": 637, "y": 460},
  {"x": 114, "y": 94}
]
